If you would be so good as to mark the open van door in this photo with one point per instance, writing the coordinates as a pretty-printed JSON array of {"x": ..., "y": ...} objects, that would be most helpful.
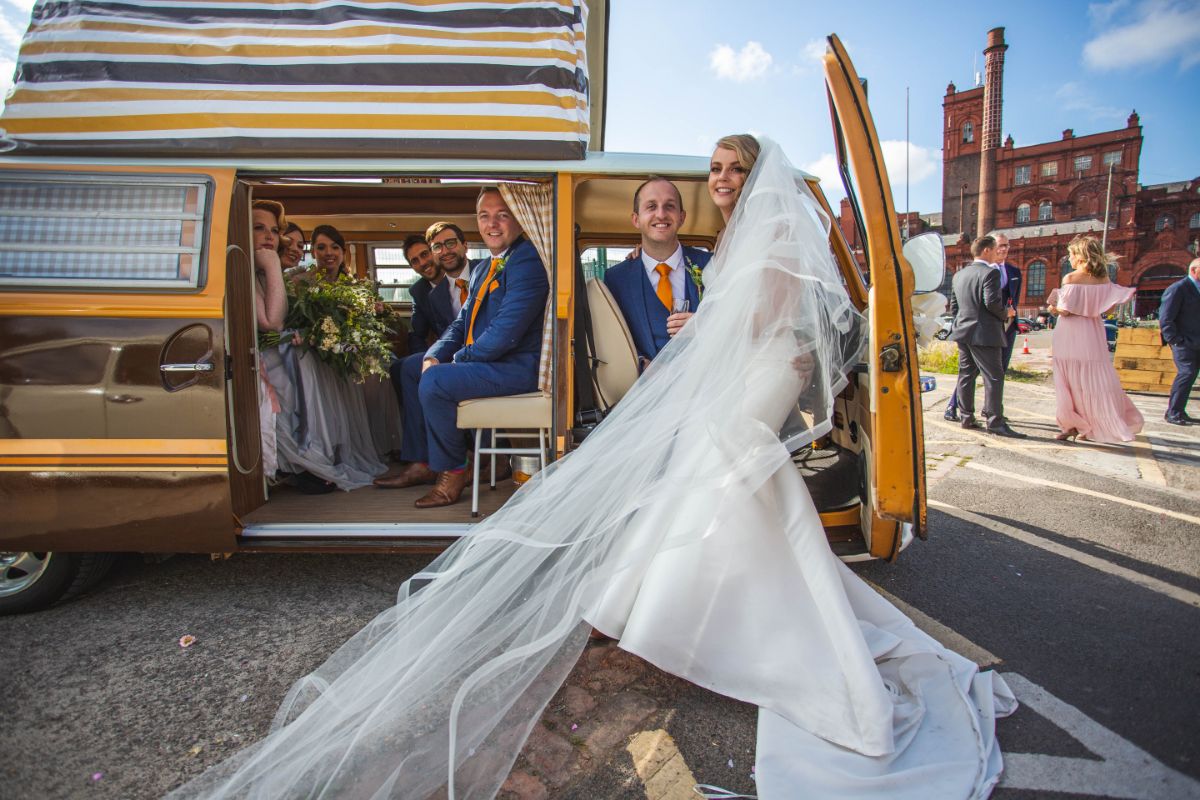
[{"x": 895, "y": 460}]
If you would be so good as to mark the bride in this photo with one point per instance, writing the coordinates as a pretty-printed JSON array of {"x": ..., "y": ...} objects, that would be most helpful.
[{"x": 682, "y": 528}]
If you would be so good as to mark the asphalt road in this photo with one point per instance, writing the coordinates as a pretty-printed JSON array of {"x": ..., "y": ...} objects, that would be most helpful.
[{"x": 1071, "y": 569}]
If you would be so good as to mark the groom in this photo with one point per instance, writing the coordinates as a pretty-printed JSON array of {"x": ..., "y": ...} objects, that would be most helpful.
[
  {"x": 491, "y": 349},
  {"x": 646, "y": 286}
]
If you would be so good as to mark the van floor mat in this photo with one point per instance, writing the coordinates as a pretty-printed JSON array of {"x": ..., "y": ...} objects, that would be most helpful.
[{"x": 832, "y": 476}]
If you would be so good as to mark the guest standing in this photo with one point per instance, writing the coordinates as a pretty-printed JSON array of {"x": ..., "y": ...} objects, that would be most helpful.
[
  {"x": 1091, "y": 402},
  {"x": 979, "y": 315},
  {"x": 1179, "y": 321}
]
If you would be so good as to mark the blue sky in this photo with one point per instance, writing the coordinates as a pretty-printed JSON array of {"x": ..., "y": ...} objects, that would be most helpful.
[{"x": 681, "y": 74}]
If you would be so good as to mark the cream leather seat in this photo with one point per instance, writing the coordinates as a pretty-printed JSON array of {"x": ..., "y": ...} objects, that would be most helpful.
[{"x": 530, "y": 416}]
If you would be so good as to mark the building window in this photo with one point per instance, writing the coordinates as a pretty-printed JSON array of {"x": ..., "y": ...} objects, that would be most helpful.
[
  {"x": 1163, "y": 222},
  {"x": 1083, "y": 163},
  {"x": 1023, "y": 177},
  {"x": 1035, "y": 281},
  {"x": 1049, "y": 169},
  {"x": 1045, "y": 211},
  {"x": 1195, "y": 221},
  {"x": 1112, "y": 158},
  {"x": 968, "y": 132},
  {"x": 1023, "y": 213}
]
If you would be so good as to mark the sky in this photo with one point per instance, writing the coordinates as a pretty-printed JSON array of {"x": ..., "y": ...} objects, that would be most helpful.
[{"x": 682, "y": 74}]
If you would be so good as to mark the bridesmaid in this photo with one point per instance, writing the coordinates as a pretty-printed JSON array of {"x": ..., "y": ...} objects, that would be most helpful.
[
  {"x": 291, "y": 246},
  {"x": 329, "y": 250},
  {"x": 1091, "y": 403}
]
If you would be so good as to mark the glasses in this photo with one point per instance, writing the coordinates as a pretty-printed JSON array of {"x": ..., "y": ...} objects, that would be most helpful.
[{"x": 450, "y": 243}]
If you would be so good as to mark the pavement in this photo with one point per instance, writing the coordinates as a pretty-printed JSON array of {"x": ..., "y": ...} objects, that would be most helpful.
[{"x": 1072, "y": 569}]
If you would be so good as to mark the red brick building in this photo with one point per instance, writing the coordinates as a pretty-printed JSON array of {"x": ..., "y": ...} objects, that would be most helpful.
[{"x": 1042, "y": 195}]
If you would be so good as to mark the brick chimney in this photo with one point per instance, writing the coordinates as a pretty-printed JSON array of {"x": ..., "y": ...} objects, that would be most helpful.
[{"x": 993, "y": 108}]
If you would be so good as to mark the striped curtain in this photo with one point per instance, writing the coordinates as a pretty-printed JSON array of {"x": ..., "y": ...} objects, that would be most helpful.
[
  {"x": 533, "y": 206},
  {"x": 424, "y": 78}
]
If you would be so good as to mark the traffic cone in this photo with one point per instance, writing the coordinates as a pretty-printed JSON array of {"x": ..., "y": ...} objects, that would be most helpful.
[{"x": 1025, "y": 348}]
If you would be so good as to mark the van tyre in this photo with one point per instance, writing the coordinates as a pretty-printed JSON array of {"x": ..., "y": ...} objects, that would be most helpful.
[{"x": 32, "y": 581}]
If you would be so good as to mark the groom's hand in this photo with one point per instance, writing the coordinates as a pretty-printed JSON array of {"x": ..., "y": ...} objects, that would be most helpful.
[
  {"x": 429, "y": 362},
  {"x": 676, "y": 321}
]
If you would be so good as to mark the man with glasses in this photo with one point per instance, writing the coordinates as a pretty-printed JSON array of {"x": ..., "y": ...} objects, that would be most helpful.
[{"x": 449, "y": 248}]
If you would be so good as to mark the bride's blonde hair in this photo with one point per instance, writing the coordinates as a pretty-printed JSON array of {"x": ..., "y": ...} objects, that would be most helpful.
[
  {"x": 745, "y": 146},
  {"x": 1088, "y": 249}
]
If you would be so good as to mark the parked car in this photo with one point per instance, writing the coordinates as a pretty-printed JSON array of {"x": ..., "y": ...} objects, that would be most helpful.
[
  {"x": 1110, "y": 335},
  {"x": 947, "y": 324},
  {"x": 1030, "y": 324}
]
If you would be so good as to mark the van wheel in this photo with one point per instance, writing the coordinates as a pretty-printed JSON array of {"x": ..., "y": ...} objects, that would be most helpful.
[
  {"x": 33, "y": 581},
  {"x": 941, "y": 335}
]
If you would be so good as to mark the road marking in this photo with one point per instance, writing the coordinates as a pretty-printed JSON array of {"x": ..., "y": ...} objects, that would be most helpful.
[
  {"x": 1145, "y": 581},
  {"x": 661, "y": 767},
  {"x": 1147, "y": 464},
  {"x": 1126, "y": 770},
  {"x": 1080, "y": 490},
  {"x": 947, "y": 637}
]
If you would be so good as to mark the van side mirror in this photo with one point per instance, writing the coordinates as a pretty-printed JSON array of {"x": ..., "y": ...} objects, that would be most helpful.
[{"x": 927, "y": 257}]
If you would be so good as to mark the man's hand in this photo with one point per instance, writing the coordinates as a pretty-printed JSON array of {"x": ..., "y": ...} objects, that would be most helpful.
[
  {"x": 429, "y": 362},
  {"x": 1012, "y": 312},
  {"x": 676, "y": 321}
]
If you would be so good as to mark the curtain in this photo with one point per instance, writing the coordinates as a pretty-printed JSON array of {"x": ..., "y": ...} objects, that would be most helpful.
[{"x": 533, "y": 206}]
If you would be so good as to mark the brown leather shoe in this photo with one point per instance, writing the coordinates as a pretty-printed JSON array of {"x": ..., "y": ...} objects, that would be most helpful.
[
  {"x": 415, "y": 474},
  {"x": 446, "y": 491}
]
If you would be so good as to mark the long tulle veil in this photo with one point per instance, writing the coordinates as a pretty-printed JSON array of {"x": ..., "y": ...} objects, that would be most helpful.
[{"x": 436, "y": 696}]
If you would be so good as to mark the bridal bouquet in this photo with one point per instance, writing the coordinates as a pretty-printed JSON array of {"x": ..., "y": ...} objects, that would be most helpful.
[{"x": 340, "y": 321}]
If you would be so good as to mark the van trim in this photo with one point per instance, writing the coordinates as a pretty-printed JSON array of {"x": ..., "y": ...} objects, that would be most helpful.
[{"x": 357, "y": 530}]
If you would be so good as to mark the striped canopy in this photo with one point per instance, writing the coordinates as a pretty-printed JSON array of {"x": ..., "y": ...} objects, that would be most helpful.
[{"x": 418, "y": 79}]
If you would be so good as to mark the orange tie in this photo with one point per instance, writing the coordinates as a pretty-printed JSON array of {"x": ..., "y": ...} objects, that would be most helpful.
[
  {"x": 664, "y": 285},
  {"x": 462, "y": 291},
  {"x": 479, "y": 299}
]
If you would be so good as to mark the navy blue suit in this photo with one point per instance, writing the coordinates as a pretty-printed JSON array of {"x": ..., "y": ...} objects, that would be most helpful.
[
  {"x": 431, "y": 314},
  {"x": 1179, "y": 321},
  {"x": 503, "y": 359},
  {"x": 644, "y": 313}
]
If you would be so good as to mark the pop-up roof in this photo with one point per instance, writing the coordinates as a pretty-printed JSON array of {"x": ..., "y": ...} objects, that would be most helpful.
[{"x": 423, "y": 78}]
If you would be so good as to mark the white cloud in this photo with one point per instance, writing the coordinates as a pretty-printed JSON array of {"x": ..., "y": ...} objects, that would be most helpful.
[
  {"x": 1074, "y": 96},
  {"x": 921, "y": 162},
  {"x": 1102, "y": 13},
  {"x": 752, "y": 61},
  {"x": 814, "y": 49},
  {"x": 1153, "y": 32},
  {"x": 826, "y": 169}
]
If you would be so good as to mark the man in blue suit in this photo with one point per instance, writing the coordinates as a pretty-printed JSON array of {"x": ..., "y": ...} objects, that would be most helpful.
[
  {"x": 491, "y": 349},
  {"x": 647, "y": 287},
  {"x": 1179, "y": 321}
]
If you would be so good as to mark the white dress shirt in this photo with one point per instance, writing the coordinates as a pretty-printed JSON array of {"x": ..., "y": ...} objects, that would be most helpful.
[{"x": 676, "y": 276}]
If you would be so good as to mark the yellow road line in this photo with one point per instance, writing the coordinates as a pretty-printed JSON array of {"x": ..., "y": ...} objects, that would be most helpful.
[
  {"x": 1147, "y": 463},
  {"x": 1145, "y": 581},
  {"x": 661, "y": 767}
]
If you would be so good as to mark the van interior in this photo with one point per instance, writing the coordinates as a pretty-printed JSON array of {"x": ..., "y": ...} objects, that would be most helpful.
[{"x": 375, "y": 214}]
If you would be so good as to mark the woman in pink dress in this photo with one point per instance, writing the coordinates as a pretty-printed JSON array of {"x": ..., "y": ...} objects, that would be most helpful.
[{"x": 1091, "y": 403}]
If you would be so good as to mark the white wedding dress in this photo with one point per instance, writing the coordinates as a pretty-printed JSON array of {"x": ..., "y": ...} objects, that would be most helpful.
[{"x": 682, "y": 528}]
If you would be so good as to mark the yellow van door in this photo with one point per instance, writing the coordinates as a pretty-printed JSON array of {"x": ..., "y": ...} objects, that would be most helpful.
[
  {"x": 896, "y": 486},
  {"x": 112, "y": 359}
]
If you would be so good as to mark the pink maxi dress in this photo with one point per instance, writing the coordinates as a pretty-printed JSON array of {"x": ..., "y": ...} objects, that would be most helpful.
[{"x": 1088, "y": 391}]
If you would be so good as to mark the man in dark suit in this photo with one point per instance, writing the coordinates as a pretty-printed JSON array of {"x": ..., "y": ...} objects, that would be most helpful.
[
  {"x": 979, "y": 316},
  {"x": 491, "y": 349},
  {"x": 647, "y": 287},
  {"x": 1179, "y": 322},
  {"x": 1010, "y": 292}
]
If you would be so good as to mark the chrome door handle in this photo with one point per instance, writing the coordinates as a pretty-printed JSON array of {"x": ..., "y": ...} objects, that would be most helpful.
[{"x": 204, "y": 366}]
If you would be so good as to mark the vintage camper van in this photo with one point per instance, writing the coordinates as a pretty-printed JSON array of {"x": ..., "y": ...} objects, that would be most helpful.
[{"x": 128, "y": 376}]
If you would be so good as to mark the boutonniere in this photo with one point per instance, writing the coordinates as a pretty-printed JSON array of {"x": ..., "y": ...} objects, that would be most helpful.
[
  {"x": 694, "y": 273},
  {"x": 495, "y": 284}
]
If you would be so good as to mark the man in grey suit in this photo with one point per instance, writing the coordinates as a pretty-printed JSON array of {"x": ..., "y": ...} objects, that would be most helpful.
[{"x": 977, "y": 305}]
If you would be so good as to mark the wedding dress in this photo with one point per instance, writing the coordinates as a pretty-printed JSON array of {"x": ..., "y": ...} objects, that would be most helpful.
[{"x": 682, "y": 527}]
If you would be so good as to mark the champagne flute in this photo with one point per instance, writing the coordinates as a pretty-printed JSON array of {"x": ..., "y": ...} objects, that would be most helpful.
[{"x": 680, "y": 305}]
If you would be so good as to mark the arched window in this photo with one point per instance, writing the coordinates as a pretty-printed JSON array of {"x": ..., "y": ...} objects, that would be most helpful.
[
  {"x": 1065, "y": 268},
  {"x": 1163, "y": 222},
  {"x": 1035, "y": 281},
  {"x": 968, "y": 132},
  {"x": 1083, "y": 206},
  {"x": 1045, "y": 211},
  {"x": 1112, "y": 271},
  {"x": 1023, "y": 213},
  {"x": 1195, "y": 220}
]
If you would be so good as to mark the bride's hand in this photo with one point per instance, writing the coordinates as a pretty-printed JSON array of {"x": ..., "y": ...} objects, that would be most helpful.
[{"x": 804, "y": 364}]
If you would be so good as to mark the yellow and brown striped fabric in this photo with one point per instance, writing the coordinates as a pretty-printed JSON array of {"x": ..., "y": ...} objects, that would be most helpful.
[{"x": 421, "y": 78}]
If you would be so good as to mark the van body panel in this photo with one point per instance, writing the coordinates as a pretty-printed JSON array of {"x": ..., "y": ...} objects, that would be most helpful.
[{"x": 898, "y": 476}]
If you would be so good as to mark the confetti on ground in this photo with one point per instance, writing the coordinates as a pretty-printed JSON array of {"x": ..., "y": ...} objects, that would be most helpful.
[
  {"x": 731, "y": 763},
  {"x": 187, "y": 640},
  {"x": 243, "y": 698},
  {"x": 97, "y": 776},
  {"x": 574, "y": 726},
  {"x": 195, "y": 751}
]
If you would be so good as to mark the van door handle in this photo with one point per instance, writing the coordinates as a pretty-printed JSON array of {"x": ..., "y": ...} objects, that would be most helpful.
[
  {"x": 203, "y": 366},
  {"x": 122, "y": 398}
]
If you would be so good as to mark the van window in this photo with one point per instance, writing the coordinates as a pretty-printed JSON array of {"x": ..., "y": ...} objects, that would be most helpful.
[
  {"x": 76, "y": 231},
  {"x": 395, "y": 277}
]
